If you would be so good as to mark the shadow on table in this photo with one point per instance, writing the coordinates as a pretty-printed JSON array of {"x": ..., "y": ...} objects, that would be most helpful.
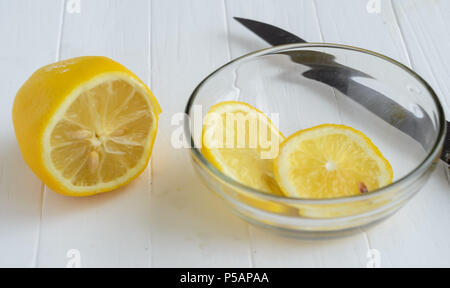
[{"x": 20, "y": 189}]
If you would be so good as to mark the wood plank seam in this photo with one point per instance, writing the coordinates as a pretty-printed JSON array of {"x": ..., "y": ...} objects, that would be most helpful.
[
  {"x": 34, "y": 260},
  {"x": 44, "y": 187},
  {"x": 149, "y": 82},
  {"x": 227, "y": 27},
  {"x": 251, "y": 261},
  {"x": 365, "y": 234},
  {"x": 314, "y": 5},
  {"x": 402, "y": 36},
  {"x": 60, "y": 32}
]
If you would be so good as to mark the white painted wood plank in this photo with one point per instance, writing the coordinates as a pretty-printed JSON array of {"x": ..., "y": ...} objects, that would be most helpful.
[
  {"x": 271, "y": 250},
  {"x": 424, "y": 26},
  {"x": 415, "y": 236},
  {"x": 190, "y": 226},
  {"x": 113, "y": 229},
  {"x": 299, "y": 17},
  {"x": 339, "y": 21},
  {"x": 29, "y": 32}
]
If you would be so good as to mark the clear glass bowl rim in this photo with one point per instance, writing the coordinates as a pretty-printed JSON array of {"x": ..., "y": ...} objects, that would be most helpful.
[{"x": 413, "y": 174}]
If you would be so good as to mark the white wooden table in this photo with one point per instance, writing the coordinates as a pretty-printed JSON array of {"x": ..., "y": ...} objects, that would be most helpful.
[{"x": 167, "y": 218}]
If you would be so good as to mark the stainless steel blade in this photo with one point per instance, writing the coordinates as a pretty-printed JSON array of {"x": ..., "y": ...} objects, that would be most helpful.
[
  {"x": 271, "y": 34},
  {"x": 339, "y": 77}
]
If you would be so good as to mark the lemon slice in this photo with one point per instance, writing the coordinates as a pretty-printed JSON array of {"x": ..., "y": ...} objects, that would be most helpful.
[
  {"x": 242, "y": 142},
  {"x": 85, "y": 125},
  {"x": 330, "y": 161}
]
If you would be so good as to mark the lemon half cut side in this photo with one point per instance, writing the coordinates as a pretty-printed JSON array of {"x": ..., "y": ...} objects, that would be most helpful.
[{"x": 85, "y": 125}]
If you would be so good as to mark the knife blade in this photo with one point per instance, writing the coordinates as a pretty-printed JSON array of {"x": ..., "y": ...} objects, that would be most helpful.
[
  {"x": 340, "y": 76},
  {"x": 269, "y": 33}
]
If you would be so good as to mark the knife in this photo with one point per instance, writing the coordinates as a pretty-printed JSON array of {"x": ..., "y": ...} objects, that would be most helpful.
[{"x": 339, "y": 77}]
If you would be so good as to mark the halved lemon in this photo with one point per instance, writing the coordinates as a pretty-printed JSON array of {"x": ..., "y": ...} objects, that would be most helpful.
[
  {"x": 85, "y": 125},
  {"x": 242, "y": 142},
  {"x": 330, "y": 161}
]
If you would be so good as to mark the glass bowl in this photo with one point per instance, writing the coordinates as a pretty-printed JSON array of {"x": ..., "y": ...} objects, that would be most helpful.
[{"x": 304, "y": 85}]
